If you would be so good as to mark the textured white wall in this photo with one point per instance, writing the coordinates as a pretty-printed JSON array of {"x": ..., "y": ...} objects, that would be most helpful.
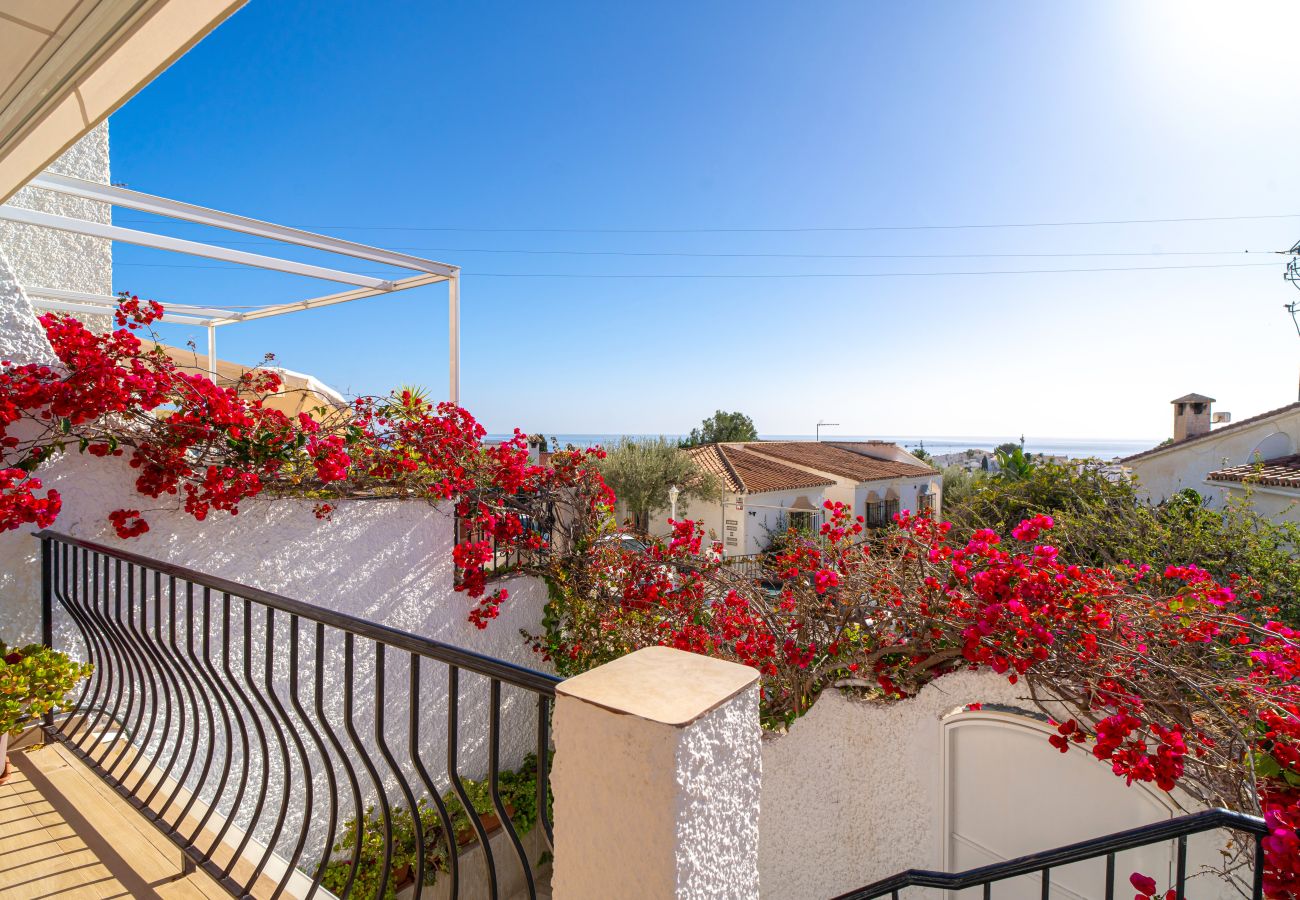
[
  {"x": 42, "y": 257},
  {"x": 852, "y": 792},
  {"x": 718, "y": 824},
  {"x": 857, "y": 791},
  {"x": 1164, "y": 474}
]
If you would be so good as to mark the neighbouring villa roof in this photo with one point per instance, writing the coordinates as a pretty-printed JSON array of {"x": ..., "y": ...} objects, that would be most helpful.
[
  {"x": 1283, "y": 471},
  {"x": 741, "y": 471},
  {"x": 1177, "y": 445},
  {"x": 838, "y": 460}
]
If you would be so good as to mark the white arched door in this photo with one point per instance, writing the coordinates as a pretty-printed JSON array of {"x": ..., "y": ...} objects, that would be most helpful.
[{"x": 1008, "y": 793}]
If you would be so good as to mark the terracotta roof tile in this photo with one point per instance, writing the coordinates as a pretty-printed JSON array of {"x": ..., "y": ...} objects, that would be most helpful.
[
  {"x": 837, "y": 460},
  {"x": 1284, "y": 471},
  {"x": 1226, "y": 428},
  {"x": 743, "y": 472}
]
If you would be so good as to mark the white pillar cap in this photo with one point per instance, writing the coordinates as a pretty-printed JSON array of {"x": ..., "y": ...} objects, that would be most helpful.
[{"x": 661, "y": 684}]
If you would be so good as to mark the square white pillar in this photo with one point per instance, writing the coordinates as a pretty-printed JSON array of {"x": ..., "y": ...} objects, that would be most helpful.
[{"x": 656, "y": 779}]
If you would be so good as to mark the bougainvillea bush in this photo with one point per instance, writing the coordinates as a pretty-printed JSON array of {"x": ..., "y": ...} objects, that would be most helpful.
[
  {"x": 1173, "y": 677},
  {"x": 1154, "y": 672},
  {"x": 210, "y": 446}
]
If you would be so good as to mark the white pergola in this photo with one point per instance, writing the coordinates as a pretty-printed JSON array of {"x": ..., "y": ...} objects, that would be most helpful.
[{"x": 362, "y": 286}]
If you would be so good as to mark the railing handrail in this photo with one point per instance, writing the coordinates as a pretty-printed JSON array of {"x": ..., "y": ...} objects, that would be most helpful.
[
  {"x": 540, "y": 682},
  {"x": 1206, "y": 820}
]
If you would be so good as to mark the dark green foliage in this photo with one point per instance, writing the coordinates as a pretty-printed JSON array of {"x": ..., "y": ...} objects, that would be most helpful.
[
  {"x": 518, "y": 792},
  {"x": 723, "y": 426},
  {"x": 641, "y": 472},
  {"x": 1103, "y": 522}
]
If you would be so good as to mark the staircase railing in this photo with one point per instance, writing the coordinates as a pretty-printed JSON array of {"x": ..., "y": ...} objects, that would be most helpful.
[
  {"x": 251, "y": 728},
  {"x": 1042, "y": 864}
]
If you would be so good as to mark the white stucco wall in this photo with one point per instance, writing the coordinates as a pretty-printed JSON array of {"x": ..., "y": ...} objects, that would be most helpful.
[
  {"x": 1278, "y": 504},
  {"x": 859, "y": 791},
  {"x": 1165, "y": 473},
  {"x": 42, "y": 257},
  {"x": 756, "y": 516},
  {"x": 852, "y": 792}
]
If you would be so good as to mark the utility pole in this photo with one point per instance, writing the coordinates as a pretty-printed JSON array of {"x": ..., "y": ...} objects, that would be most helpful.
[
  {"x": 821, "y": 424},
  {"x": 1292, "y": 274}
]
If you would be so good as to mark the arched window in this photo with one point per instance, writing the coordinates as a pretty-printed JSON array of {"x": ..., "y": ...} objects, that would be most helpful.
[
  {"x": 880, "y": 511},
  {"x": 1279, "y": 443}
]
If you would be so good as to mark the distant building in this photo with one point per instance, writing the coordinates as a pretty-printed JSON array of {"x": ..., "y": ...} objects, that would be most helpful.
[
  {"x": 771, "y": 485},
  {"x": 1258, "y": 455}
]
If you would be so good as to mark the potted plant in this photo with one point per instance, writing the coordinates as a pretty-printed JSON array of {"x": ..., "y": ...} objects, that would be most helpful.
[{"x": 34, "y": 680}]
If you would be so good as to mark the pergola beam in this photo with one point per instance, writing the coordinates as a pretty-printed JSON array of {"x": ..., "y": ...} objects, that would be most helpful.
[
  {"x": 204, "y": 312},
  {"x": 211, "y": 318},
  {"x": 329, "y": 300},
  {"x": 192, "y": 248},
  {"x": 100, "y": 310},
  {"x": 188, "y": 212}
]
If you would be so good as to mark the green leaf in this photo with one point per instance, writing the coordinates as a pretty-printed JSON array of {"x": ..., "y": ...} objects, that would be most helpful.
[{"x": 1266, "y": 766}]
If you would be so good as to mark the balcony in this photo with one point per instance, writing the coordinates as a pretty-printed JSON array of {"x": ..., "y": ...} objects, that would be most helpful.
[{"x": 65, "y": 833}]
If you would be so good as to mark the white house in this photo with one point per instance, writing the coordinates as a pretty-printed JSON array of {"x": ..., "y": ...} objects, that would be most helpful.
[
  {"x": 760, "y": 497},
  {"x": 770, "y": 485},
  {"x": 1257, "y": 455}
]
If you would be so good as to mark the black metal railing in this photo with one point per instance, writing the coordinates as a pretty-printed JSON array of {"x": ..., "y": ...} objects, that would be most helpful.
[
  {"x": 503, "y": 559},
  {"x": 289, "y": 750},
  {"x": 1042, "y": 864},
  {"x": 750, "y": 566},
  {"x": 881, "y": 513}
]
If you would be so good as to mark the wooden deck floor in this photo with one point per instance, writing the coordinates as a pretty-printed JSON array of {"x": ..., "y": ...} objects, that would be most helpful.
[{"x": 65, "y": 834}]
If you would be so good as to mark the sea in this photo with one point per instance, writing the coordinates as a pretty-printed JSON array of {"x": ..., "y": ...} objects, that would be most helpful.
[{"x": 1073, "y": 448}]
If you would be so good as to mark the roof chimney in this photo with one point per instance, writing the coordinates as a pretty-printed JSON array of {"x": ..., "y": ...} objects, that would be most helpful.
[{"x": 1191, "y": 416}]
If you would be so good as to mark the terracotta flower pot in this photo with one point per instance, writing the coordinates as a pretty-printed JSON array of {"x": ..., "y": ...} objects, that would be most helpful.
[
  {"x": 4, "y": 758},
  {"x": 490, "y": 821}
]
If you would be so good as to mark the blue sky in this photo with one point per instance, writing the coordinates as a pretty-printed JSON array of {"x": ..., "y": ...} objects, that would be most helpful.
[{"x": 443, "y": 127}]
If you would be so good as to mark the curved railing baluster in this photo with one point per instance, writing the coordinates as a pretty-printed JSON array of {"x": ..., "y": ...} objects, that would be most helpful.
[
  {"x": 255, "y": 692},
  {"x": 276, "y": 712},
  {"x": 187, "y": 677},
  {"x": 258, "y": 728},
  {"x": 177, "y": 706},
  {"x": 331, "y": 793},
  {"x": 453, "y": 773},
  {"x": 337, "y": 743},
  {"x": 544, "y": 769},
  {"x": 207, "y": 673},
  {"x": 381, "y": 742},
  {"x": 494, "y": 781},
  {"x": 112, "y": 613},
  {"x": 413, "y": 747},
  {"x": 350, "y": 726},
  {"x": 151, "y": 645},
  {"x": 137, "y": 676},
  {"x": 138, "y": 641},
  {"x": 223, "y": 679}
]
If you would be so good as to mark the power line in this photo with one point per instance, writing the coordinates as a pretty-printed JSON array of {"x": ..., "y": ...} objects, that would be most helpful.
[
  {"x": 792, "y": 229},
  {"x": 781, "y": 255},
  {"x": 468, "y": 272}
]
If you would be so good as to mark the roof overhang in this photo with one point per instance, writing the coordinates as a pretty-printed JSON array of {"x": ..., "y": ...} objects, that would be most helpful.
[{"x": 68, "y": 64}]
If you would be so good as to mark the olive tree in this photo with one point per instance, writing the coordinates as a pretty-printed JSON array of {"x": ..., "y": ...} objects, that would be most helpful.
[{"x": 642, "y": 470}]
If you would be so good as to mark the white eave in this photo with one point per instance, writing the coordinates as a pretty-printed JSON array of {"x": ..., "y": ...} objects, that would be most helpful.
[{"x": 65, "y": 65}]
